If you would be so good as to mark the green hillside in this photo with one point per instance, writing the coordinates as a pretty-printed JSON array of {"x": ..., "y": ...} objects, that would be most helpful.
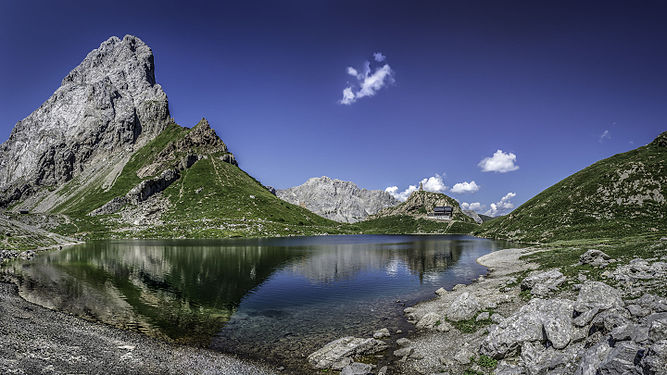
[
  {"x": 212, "y": 197},
  {"x": 620, "y": 196}
]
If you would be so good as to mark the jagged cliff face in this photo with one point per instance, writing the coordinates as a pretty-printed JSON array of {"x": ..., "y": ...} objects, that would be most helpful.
[
  {"x": 337, "y": 200},
  {"x": 109, "y": 103}
]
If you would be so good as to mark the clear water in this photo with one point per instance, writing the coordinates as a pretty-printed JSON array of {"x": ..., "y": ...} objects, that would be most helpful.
[{"x": 275, "y": 299}]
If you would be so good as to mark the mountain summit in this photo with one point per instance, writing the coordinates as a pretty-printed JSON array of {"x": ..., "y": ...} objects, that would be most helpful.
[
  {"x": 109, "y": 103},
  {"x": 337, "y": 200}
]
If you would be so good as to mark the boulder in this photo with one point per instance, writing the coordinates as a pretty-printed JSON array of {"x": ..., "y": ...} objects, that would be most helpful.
[
  {"x": 345, "y": 347},
  {"x": 655, "y": 360},
  {"x": 357, "y": 368},
  {"x": 607, "y": 320},
  {"x": 403, "y": 342},
  {"x": 658, "y": 330},
  {"x": 403, "y": 352},
  {"x": 539, "y": 320},
  {"x": 543, "y": 283},
  {"x": 441, "y": 292},
  {"x": 384, "y": 332},
  {"x": 595, "y": 258},
  {"x": 621, "y": 360},
  {"x": 595, "y": 294},
  {"x": 592, "y": 358},
  {"x": 465, "y": 306},
  {"x": 463, "y": 356},
  {"x": 429, "y": 321}
]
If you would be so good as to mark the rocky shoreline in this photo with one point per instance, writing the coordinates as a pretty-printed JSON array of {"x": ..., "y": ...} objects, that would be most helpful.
[
  {"x": 36, "y": 340},
  {"x": 520, "y": 320}
]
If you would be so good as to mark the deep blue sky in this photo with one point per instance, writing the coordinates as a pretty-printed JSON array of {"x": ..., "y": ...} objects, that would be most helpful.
[{"x": 542, "y": 80}]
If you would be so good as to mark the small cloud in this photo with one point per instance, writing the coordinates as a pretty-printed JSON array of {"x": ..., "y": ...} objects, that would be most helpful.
[
  {"x": 379, "y": 57},
  {"x": 434, "y": 184},
  {"x": 474, "y": 206},
  {"x": 465, "y": 187},
  {"x": 500, "y": 162},
  {"x": 502, "y": 207},
  {"x": 348, "y": 96},
  {"x": 605, "y": 135},
  {"x": 369, "y": 82}
]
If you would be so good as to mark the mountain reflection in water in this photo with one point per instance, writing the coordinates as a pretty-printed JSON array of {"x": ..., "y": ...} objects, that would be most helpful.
[{"x": 246, "y": 295}]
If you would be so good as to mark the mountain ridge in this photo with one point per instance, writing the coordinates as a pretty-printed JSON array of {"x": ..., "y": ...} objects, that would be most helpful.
[
  {"x": 338, "y": 200},
  {"x": 623, "y": 195}
]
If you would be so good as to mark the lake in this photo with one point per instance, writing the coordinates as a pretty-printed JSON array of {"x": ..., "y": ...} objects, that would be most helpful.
[{"x": 276, "y": 299}]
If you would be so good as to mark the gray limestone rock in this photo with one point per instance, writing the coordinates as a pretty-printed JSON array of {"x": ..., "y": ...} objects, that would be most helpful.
[
  {"x": 403, "y": 352},
  {"x": 655, "y": 360},
  {"x": 595, "y": 258},
  {"x": 592, "y": 358},
  {"x": 357, "y": 368},
  {"x": 345, "y": 347},
  {"x": 621, "y": 360},
  {"x": 595, "y": 294},
  {"x": 384, "y": 332},
  {"x": 543, "y": 283},
  {"x": 539, "y": 320},
  {"x": 465, "y": 306},
  {"x": 107, "y": 104},
  {"x": 429, "y": 320},
  {"x": 337, "y": 200}
]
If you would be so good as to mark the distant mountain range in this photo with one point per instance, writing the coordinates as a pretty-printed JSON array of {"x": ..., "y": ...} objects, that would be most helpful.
[{"x": 337, "y": 200}]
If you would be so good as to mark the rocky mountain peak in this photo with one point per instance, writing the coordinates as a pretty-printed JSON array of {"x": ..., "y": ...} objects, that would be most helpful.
[
  {"x": 421, "y": 204},
  {"x": 336, "y": 199},
  {"x": 109, "y": 103}
]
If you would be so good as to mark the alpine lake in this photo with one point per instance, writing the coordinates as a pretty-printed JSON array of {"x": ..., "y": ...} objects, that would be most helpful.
[{"x": 272, "y": 299}]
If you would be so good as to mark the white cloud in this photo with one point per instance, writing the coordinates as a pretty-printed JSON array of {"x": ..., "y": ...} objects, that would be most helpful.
[
  {"x": 465, "y": 187},
  {"x": 434, "y": 184},
  {"x": 502, "y": 207},
  {"x": 369, "y": 82},
  {"x": 475, "y": 206},
  {"x": 403, "y": 195},
  {"x": 499, "y": 162},
  {"x": 604, "y": 135},
  {"x": 348, "y": 96},
  {"x": 379, "y": 57}
]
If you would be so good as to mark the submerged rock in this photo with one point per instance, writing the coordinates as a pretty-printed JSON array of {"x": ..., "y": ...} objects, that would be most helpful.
[{"x": 344, "y": 348}]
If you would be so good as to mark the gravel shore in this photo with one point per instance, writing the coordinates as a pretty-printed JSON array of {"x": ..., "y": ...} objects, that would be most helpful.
[{"x": 36, "y": 340}]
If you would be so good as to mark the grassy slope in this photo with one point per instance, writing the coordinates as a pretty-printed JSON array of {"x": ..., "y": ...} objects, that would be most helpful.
[
  {"x": 407, "y": 224},
  {"x": 600, "y": 201},
  {"x": 211, "y": 199}
]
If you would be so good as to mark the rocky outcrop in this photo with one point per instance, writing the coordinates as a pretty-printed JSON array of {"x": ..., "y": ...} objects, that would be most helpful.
[
  {"x": 201, "y": 140},
  {"x": 420, "y": 204},
  {"x": 595, "y": 258},
  {"x": 337, "y": 200},
  {"x": 107, "y": 104}
]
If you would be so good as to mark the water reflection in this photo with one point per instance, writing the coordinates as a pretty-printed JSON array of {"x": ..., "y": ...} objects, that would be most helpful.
[{"x": 248, "y": 295}]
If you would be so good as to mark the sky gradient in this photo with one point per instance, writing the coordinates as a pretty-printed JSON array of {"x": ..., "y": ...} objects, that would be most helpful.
[{"x": 558, "y": 85}]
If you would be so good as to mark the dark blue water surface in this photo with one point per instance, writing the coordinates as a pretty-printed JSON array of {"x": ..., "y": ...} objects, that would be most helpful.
[{"x": 277, "y": 299}]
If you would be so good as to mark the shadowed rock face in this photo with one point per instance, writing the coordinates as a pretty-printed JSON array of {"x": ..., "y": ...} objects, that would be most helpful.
[
  {"x": 337, "y": 200},
  {"x": 109, "y": 103}
]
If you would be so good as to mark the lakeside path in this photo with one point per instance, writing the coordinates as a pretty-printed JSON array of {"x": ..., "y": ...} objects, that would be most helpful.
[{"x": 36, "y": 340}]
